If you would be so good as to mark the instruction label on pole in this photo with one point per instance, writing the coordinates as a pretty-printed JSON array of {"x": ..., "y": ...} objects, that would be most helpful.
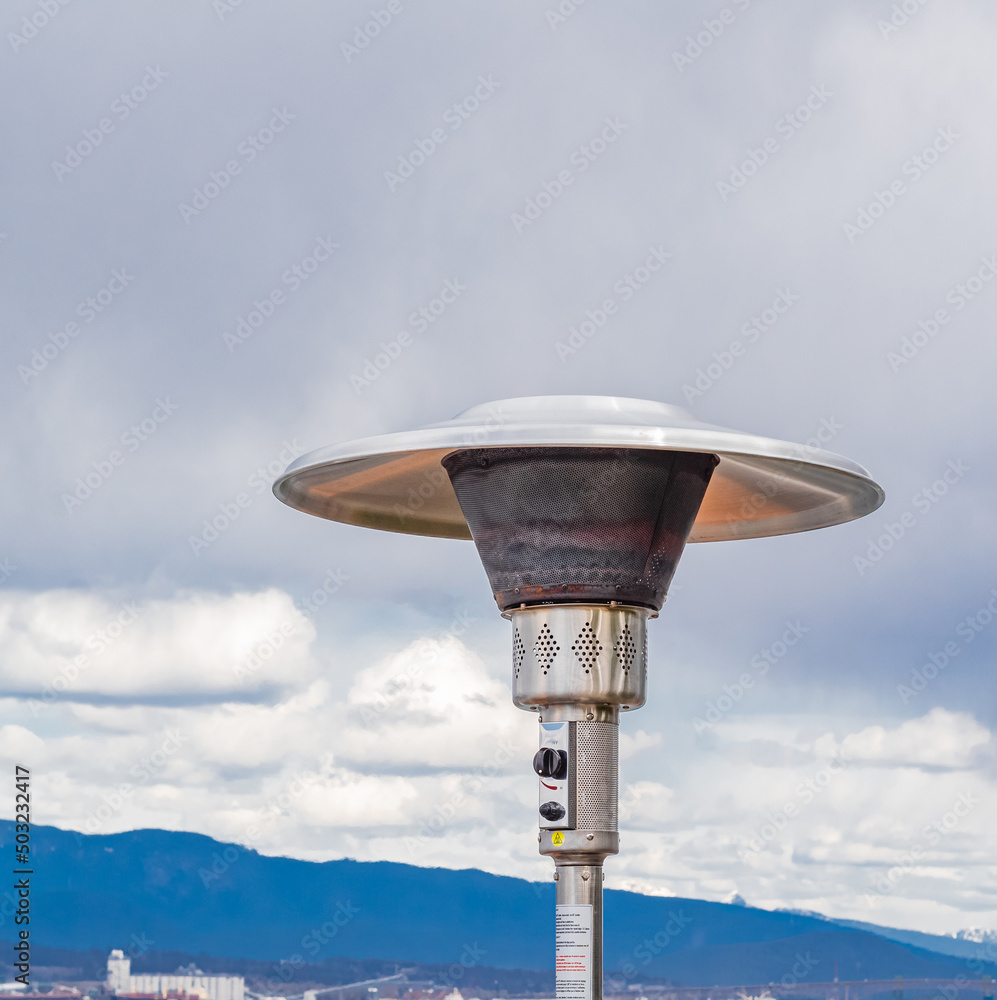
[{"x": 573, "y": 952}]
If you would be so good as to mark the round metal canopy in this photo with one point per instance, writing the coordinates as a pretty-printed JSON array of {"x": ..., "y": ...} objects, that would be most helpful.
[{"x": 761, "y": 487}]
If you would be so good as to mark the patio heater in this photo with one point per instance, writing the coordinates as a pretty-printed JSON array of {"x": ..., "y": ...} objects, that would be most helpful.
[{"x": 580, "y": 507}]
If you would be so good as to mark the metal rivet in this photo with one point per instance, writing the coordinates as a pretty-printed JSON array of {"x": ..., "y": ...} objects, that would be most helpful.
[
  {"x": 585, "y": 876},
  {"x": 590, "y": 836},
  {"x": 590, "y": 716},
  {"x": 556, "y": 876},
  {"x": 604, "y": 876}
]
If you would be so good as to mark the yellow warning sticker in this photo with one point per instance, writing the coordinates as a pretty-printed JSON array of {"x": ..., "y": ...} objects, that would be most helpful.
[{"x": 557, "y": 838}]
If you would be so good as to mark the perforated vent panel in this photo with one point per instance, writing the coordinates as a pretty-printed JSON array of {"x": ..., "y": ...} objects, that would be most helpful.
[
  {"x": 587, "y": 647},
  {"x": 579, "y": 524},
  {"x": 597, "y": 780},
  {"x": 518, "y": 652},
  {"x": 625, "y": 649},
  {"x": 545, "y": 648}
]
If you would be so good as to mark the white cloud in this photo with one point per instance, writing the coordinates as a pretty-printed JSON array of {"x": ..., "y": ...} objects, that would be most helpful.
[
  {"x": 797, "y": 829},
  {"x": 423, "y": 759},
  {"x": 68, "y": 645},
  {"x": 640, "y": 740},
  {"x": 938, "y": 739},
  {"x": 437, "y": 696}
]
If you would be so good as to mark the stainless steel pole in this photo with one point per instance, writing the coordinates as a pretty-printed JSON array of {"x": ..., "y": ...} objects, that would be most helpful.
[
  {"x": 578, "y": 666},
  {"x": 578, "y": 932}
]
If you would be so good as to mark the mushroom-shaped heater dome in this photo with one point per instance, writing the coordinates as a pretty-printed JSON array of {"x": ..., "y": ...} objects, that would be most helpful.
[{"x": 579, "y": 498}]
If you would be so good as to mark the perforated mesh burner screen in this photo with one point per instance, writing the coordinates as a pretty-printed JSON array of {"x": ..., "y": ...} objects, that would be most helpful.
[{"x": 579, "y": 524}]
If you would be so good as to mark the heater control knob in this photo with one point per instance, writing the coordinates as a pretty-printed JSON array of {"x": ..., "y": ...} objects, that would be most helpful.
[
  {"x": 551, "y": 810},
  {"x": 551, "y": 763}
]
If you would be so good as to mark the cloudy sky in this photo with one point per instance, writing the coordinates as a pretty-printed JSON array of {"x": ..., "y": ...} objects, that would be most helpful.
[{"x": 217, "y": 215}]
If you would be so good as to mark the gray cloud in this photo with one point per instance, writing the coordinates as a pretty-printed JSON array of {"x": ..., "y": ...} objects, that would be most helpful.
[{"x": 278, "y": 140}]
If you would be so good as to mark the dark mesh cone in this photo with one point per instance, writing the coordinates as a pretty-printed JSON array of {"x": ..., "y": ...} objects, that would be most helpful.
[{"x": 579, "y": 524}]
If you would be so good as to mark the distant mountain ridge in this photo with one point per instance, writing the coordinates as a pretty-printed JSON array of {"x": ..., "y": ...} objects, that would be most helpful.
[
  {"x": 189, "y": 893},
  {"x": 971, "y": 943}
]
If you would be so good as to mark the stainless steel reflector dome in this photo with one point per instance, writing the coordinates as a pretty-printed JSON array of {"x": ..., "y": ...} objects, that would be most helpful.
[{"x": 760, "y": 487}]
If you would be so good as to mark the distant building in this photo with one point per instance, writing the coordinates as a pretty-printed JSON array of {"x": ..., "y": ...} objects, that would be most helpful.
[
  {"x": 27, "y": 994},
  {"x": 186, "y": 984},
  {"x": 18, "y": 991}
]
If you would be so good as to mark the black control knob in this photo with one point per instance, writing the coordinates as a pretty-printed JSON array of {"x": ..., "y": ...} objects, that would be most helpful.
[
  {"x": 551, "y": 763},
  {"x": 552, "y": 810}
]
